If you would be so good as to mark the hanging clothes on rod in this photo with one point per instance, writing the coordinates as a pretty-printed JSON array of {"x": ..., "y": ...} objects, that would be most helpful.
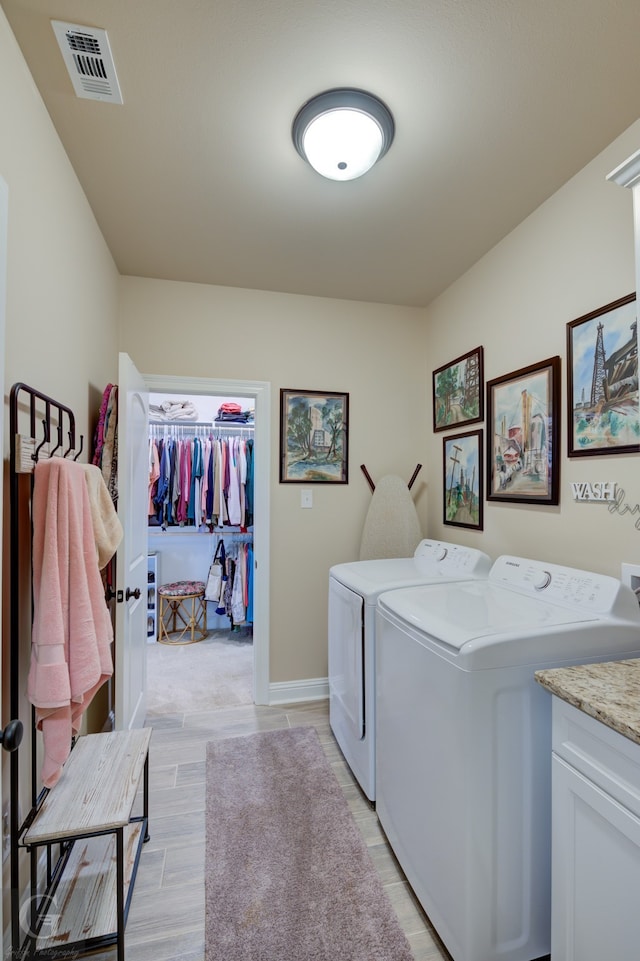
[
  {"x": 201, "y": 477},
  {"x": 234, "y": 594}
]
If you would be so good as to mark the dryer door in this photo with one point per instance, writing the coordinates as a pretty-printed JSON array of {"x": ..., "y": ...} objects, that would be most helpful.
[{"x": 346, "y": 656}]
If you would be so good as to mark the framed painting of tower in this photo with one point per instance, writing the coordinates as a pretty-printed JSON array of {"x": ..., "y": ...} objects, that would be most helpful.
[
  {"x": 458, "y": 391},
  {"x": 602, "y": 381},
  {"x": 523, "y": 435}
]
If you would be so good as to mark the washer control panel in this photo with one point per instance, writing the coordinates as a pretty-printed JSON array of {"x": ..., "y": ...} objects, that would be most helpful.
[
  {"x": 562, "y": 585},
  {"x": 451, "y": 559}
]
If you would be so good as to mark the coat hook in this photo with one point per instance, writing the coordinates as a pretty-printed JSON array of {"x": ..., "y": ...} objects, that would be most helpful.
[
  {"x": 59, "y": 444},
  {"x": 45, "y": 426},
  {"x": 72, "y": 443},
  {"x": 81, "y": 446}
]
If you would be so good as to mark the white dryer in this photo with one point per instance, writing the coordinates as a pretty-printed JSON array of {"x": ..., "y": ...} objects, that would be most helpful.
[
  {"x": 463, "y": 738},
  {"x": 353, "y": 593}
]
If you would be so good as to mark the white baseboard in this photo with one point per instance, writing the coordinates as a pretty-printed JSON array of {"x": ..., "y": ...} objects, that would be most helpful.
[{"x": 290, "y": 692}]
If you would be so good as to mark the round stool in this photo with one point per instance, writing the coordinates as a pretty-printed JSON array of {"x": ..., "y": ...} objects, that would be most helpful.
[{"x": 183, "y": 610}]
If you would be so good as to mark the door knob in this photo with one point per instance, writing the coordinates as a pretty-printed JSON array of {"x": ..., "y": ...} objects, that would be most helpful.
[
  {"x": 129, "y": 594},
  {"x": 11, "y": 737}
]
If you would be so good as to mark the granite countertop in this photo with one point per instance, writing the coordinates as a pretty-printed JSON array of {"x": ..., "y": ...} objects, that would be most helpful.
[{"x": 609, "y": 692}]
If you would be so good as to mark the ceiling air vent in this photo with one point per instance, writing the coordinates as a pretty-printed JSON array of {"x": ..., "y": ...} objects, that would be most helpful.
[{"x": 87, "y": 56}]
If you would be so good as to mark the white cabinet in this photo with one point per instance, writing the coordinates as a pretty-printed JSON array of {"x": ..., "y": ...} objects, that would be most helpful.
[
  {"x": 152, "y": 597},
  {"x": 595, "y": 840}
]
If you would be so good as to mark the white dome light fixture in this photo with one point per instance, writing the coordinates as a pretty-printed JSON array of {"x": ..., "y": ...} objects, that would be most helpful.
[{"x": 342, "y": 133}]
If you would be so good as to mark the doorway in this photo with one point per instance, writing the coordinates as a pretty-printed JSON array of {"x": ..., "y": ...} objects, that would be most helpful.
[{"x": 257, "y": 393}]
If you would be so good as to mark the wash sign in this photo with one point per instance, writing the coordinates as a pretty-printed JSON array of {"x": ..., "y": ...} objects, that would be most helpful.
[{"x": 597, "y": 491}]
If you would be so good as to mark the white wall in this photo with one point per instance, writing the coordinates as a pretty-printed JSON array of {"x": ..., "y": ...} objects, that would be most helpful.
[{"x": 573, "y": 255}]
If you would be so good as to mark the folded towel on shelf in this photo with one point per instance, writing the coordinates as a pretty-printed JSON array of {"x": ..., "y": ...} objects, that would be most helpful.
[
  {"x": 71, "y": 633},
  {"x": 174, "y": 410}
]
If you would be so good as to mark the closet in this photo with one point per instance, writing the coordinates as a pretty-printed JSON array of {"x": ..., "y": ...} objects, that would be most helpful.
[{"x": 201, "y": 456}]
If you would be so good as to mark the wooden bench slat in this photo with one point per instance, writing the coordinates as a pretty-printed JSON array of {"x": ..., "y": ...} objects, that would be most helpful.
[
  {"x": 85, "y": 900},
  {"x": 96, "y": 789}
]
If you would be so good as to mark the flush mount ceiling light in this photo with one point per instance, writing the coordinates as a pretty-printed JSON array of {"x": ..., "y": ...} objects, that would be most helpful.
[{"x": 343, "y": 132}]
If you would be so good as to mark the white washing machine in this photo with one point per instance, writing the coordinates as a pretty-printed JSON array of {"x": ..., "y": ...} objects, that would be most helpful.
[
  {"x": 353, "y": 593},
  {"x": 463, "y": 740}
]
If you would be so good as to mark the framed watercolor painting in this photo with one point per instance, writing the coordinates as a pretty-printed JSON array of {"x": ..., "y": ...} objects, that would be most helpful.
[
  {"x": 523, "y": 464},
  {"x": 602, "y": 381},
  {"x": 314, "y": 437},
  {"x": 458, "y": 391},
  {"x": 462, "y": 488}
]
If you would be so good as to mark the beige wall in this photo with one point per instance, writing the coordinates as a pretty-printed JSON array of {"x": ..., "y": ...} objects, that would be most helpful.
[
  {"x": 573, "y": 255},
  {"x": 371, "y": 351},
  {"x": 62, "y": 284}
]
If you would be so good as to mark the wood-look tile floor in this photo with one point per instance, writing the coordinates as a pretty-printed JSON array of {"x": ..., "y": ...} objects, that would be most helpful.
[{"x": 166, "y": 919}]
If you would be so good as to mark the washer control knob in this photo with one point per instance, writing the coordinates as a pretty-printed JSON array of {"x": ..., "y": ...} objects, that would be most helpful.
[
  {"x": 440, "y": 553},
  {"x": 541, "y": 579}
]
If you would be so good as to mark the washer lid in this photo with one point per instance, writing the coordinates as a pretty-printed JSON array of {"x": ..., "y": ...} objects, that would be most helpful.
[
  {"x": 434, "y": 561},
  {"x": 456, "y": 614}
]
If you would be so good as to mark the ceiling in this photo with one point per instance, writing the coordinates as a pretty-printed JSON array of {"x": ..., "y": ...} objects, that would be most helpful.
[{"x": 497, "y": 103}]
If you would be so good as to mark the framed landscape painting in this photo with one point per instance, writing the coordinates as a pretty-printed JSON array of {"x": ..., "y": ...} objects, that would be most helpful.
[
  {"x": 602, "y": 380},
  {"x": 523, "y": 435},
  {"x": 458, "y": 391},
  {"x": 462, "y": 487},
  {"x": 313, "y": 437}
]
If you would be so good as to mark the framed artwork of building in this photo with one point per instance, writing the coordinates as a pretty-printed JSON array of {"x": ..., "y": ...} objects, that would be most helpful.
[
  {"x": 314, "y": 437},
  {"x": 523, "y": 435},
  {"x": 458, "y": 390},
  {"x": 602, "y": 380}
]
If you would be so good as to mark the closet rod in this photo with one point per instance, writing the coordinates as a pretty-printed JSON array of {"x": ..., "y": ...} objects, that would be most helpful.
[{"x": 202, "y": 425}]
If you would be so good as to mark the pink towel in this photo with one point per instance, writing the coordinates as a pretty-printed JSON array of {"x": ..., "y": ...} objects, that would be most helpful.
[{"x": 71, "y": 633}]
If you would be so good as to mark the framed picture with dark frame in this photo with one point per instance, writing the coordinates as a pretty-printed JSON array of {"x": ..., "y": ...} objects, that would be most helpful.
[
  {"x": 602, "y": 381},
  {"x": 458, "y": 391},
  {"x": 523, "y": 435},
  {"x": 314, "y": 428},
  {"x": 462, "y": 487}
]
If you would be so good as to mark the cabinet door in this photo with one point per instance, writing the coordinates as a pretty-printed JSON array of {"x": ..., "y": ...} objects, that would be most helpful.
[{"x": 595, "y": 872}]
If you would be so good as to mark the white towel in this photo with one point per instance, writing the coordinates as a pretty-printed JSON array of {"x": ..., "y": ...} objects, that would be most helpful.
[{"x": 107, "y": 529}]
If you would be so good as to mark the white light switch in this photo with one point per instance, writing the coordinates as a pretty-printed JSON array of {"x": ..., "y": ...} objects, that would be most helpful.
[{"x": 306, "y": 498}]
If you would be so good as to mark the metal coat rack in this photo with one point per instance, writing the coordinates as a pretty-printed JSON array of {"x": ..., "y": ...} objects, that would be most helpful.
[{"x": 34, "y": 419}]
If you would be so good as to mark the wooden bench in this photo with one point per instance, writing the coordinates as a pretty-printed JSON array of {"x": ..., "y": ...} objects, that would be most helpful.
[{"x": 89, "y": 812}]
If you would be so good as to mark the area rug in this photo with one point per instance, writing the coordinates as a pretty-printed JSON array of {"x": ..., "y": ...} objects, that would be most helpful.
[{"x": 287, "y": 873}]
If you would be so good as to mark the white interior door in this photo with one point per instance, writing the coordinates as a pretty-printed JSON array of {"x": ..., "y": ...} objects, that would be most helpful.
[{"x": 131, "y": 574}]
